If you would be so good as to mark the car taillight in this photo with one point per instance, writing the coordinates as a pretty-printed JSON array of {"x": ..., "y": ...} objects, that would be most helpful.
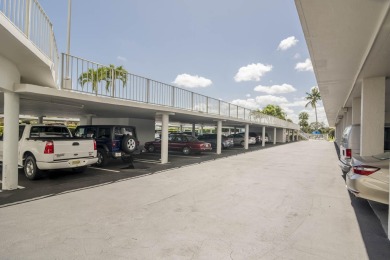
[
  {"x": 49, "y": 147},
  {"x": 365, "y": 169},
  {"x": 94, "y": 145},
  {"x": 348, "y": 153},
  {"x": 113, "y": 144}
]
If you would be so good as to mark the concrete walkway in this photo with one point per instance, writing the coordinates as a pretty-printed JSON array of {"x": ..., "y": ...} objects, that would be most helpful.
[{"x": 285, "y": 202}]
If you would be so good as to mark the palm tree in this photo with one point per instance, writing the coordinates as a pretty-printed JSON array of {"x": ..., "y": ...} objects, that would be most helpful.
[
  {"x": 108, "y": 74},
  {"x": 313, "y": 97}
]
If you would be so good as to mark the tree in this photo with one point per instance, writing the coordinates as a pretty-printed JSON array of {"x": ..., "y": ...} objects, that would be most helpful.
[
  {"x": 303, "y": 123},
  {"x": 108, "y": 74},
  {"x": 273, "y": 110},
  {"x": 313, "y": 97}
]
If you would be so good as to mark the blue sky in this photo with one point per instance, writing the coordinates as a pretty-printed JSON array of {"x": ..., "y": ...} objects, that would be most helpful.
[{"x": 251, "y": 52}]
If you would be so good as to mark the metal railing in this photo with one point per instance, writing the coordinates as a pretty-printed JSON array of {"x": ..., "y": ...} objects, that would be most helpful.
[
  {"x": 89, "y": 77},
  {"x": 29, "y": 17}
]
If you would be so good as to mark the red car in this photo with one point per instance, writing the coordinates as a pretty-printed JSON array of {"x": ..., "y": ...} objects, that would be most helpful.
[{"x": 180, "y": 142}]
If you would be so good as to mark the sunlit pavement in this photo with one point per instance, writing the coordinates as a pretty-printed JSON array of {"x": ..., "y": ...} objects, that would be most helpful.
[{"x": 285, "y": 202}]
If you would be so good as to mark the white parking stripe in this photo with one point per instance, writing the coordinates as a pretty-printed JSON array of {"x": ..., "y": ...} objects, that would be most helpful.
[
  {"x": 102, "y": 169},
  {"x": 147, "y": 161},
  {"x": 185, "y": 156},
  {"x": 19, "y": 187}
]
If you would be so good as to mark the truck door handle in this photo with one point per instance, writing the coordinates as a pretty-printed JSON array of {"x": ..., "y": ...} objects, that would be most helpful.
[{"x": 75, "y": 143}]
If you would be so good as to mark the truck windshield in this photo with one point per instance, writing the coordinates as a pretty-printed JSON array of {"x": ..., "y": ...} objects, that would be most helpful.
[{"x": 49, "y": 131}]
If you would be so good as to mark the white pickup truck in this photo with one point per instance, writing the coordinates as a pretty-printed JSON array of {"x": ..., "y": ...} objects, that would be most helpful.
[{"x": 50, "y": 147}]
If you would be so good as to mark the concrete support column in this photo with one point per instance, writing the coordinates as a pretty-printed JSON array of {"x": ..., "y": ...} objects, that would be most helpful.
[
  {"x": 201, "y": 129},
  {"x": 246, "y": 139},
  {"x": 193, "y": 130},
  {"x": 356, "y": 111},
  {"x": 164, "y": 137},
  {"x": 263, "y": 137},
  {"x": 10, "y": 141},
  {"x": 275, "y": 135},
  {"x": 181, "y": 128},
  {"x": 372, "y": 116},
  {"x": 219, "y": 137},
  {"x": 40, "y": 119}
]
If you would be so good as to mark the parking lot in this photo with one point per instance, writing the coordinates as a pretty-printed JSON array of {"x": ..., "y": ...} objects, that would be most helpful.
[{"x": 57, "y": 182}]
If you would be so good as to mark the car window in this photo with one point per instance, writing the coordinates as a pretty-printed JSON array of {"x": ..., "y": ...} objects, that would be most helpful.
[
  {"x": 79, "y": 132},
  {"x": 124, "y": 130},
  {"x": 103, "y": 132},
  {"x": 49, "y": 131},
  {"x": 344, "y": 138}
]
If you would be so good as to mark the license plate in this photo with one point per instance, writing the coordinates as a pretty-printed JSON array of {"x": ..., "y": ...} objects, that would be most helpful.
[
  {"x": 118, "y": 154},
  {"x": 75, "y": 162}
]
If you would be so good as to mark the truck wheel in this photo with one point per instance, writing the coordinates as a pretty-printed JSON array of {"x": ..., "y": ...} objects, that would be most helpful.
[
  {"x": 128, "y": 144},
  {"x": 186, "y": 150},
  {"x": 79, "y": 169},
  {"x": 102, "y": 158},
  {"x": 30, "y": 168},
  {"x": 151, "y": 149}
]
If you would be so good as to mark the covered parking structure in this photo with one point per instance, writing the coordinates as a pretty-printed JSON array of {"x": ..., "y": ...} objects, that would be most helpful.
[
  {"x": 349, "y": 46},
  {"x": 35, "y": 80}
]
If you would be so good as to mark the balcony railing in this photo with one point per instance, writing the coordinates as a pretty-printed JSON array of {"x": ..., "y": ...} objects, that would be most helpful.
[
  {"x": 29, "y": 17},
  {"x": 96, "y": 79}
]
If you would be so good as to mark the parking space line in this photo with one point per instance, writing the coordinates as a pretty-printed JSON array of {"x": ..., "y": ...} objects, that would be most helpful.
[
  {"x": 185, "y": 156},
  {"x": 19, "y": 187},
  {"x": 147, "y": 161},
  {"x": 102, "y": 169}
]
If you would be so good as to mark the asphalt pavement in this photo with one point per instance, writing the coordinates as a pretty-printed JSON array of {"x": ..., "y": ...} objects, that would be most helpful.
[{"x": 284, "y": 202}]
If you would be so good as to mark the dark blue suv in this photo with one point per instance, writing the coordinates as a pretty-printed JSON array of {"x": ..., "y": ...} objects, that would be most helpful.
[{"x": 112, "y": 141}]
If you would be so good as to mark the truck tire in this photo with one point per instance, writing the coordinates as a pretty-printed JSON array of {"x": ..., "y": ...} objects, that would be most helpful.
[
  {"x": 128, "y": 144},
  {"x": 102, "y": 158},
  {"x": 151, "y": 149},
  {"x": 30, "y": 168}
]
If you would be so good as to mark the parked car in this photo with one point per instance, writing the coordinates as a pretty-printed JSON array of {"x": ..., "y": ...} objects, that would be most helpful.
[
  {"x": 51, "y": 147},
  {"x": 253, "y": 134},
  {"x": 212, "y": 139},
  {"x": 239, "y": 139},
  {"x": 368, "y": 177},
  {"x": 266, "y": 139},
  {"x": 180, "y": 142},
  {"x": 350, "y": 145},
  {"x": 113, "y": 141}
]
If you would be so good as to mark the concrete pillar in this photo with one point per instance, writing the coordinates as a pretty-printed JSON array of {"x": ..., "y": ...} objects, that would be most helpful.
[
  {"x": 246, "y": 139},
  {"x": 201, "y": 129},
  {"x": 263, "y": 137},
  {"x": 219, "y": 137},
  {"x": 164, "y": 137},
  {"x": 235, "y": 130},
  {"x": 275, "y": 135},
  {"x": 281, "y": 135},
  {"x": 193, "y": 130},
  {"x": 372, "y": 116},
  {"x": 356, "y": 111},
  {"x": 181, "y": 128},
  {"x": 348, "y": 116},
  {"x": 40, "y": 119},
  {"x": 10, "y": 141}
]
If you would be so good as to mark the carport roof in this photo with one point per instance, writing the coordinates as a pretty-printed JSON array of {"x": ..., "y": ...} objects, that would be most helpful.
[
  {"x": 348, "y": 40},
  {"x": 42, "y": 101}
]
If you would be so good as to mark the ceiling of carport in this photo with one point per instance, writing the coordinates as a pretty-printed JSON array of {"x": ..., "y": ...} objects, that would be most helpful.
[
  {"x": 40, "y": 101},
  {"x": 348, "y": 40}
]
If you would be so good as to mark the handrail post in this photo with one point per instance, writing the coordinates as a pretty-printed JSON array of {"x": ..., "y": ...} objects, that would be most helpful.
[
  {"x": 219, "y": 107},
  {"x": 62, "y": 71},
  {"x": 192, "y": 101},
  {"x": 229, "y": 110},
  {"x": 173, "y": 96},
  {"x": 147, "y": 90},
  {"x": 207, "y": 105},
  {"x": 27, "y": 19},
  {"x": 113, "y": 82}
]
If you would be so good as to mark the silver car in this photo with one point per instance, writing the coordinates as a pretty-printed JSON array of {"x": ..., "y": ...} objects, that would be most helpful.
[
  {"x": 239, "y": 139},
  {"x": 349, "y": 145},
  {"x": 368, "y": 177}
]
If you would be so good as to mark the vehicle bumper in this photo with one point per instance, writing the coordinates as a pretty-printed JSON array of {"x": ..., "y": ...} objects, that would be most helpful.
[
  {"x": 344, "y": 166},
  {"x": 367, "y": 188},
  {"x": 65, "y": 164}
]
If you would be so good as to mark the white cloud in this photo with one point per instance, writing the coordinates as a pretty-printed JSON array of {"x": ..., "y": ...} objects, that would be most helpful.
[
  {"x": 270, "y": 99},
  {"x": 252, "y": 72},
  {"x": 297, "y": 103},
  {"x": 121, "y": 59},
  {"x": 248, "y": 103},
  {"x": 275, "y": 89},
  {"x": 287, "y": 43},
  {"x": 297, "y": 56},
  {"x": 304, "y": 66},
  {"x": 248, "y": 95},
  {"x": 188, "y": 81}
]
